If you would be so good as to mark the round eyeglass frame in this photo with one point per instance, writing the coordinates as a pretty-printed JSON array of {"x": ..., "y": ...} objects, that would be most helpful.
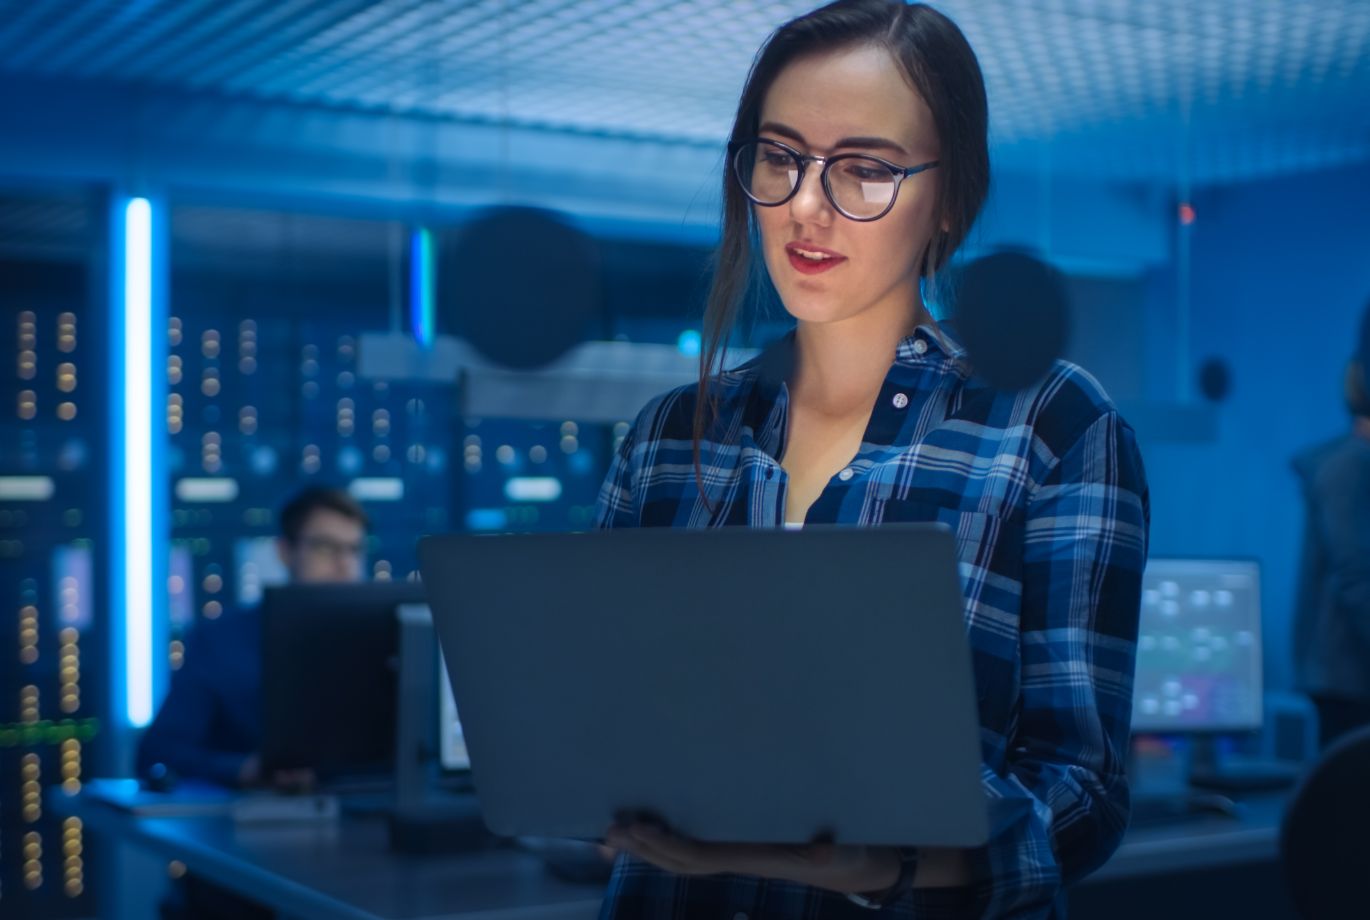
[{"x": 900, "y": 173}]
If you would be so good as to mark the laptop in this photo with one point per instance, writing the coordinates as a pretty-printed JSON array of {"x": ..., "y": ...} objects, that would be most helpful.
[{"x": 741, "y": 685}]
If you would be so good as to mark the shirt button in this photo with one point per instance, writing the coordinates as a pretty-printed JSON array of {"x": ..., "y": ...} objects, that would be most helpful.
[
  {"x": 919, "y": 346},
  {"x": 845, "y": 474},
  {"x": 900, "y": 400}
]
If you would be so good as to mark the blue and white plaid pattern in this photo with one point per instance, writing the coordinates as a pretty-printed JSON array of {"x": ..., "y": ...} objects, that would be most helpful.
[{"x": 1047, "y": 496}]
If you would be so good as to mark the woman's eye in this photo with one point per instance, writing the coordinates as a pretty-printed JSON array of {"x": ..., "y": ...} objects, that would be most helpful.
[{"x": 868, "y": 173}]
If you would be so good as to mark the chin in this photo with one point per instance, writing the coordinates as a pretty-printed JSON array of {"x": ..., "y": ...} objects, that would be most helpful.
[
  {"x": 811, "y": 305},
  {"x": 810, "y": 298}
]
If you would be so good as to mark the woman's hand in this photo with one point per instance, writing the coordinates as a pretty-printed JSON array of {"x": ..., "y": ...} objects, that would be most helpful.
[{"x": 841, "y": 868}]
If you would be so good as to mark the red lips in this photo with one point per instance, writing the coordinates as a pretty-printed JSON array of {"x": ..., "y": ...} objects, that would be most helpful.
[{"x": 811, "y": 266}]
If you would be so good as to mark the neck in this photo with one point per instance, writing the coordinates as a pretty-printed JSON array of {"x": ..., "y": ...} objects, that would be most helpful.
[
  {"x": 1360, "y": 427},
  {"x": 839, "y": 367}
]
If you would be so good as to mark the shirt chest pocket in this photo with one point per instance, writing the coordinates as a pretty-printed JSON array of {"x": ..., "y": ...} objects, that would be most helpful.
[
  {"x": 990, "y": 550},
  {"x": 991, "y": 543}
]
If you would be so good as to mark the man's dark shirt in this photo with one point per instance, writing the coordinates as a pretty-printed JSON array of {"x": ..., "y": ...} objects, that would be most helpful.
[{"x": 211, "y": 720}]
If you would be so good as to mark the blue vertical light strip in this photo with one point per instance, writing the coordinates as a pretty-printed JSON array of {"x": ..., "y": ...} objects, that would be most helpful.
[
  {"x": 422, "y": 318},
  {"x": 138, "y": 537}
]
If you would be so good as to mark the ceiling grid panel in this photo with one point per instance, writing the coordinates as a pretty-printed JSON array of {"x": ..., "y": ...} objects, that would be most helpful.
[{"x": 1114, "y": 89}]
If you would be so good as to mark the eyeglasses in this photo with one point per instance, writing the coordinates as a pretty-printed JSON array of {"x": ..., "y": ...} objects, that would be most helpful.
[
  {"x": 860, "y": 186},
  {"x": 323, "y": 546}
]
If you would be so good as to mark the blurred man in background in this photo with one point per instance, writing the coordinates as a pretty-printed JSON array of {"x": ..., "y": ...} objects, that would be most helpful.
[
  {"x": 210, "y": 725},
  {"x": 1332, "y": 618}
]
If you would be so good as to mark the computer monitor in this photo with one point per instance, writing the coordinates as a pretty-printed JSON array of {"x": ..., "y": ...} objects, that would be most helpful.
[
  {"x": 1199, "y": 647},
  {"x": 329, "y": 677},
  {"x": 451, "y": 740}
]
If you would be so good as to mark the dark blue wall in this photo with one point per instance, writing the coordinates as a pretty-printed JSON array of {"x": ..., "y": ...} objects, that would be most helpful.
[{"x": 1280, "y": 274}]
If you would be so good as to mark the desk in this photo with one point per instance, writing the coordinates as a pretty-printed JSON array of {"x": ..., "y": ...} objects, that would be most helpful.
[
  {"x": 344, "y": 869},
  {"x": 1201, "y": 868},
  {"x": 1203, "y": 842}
]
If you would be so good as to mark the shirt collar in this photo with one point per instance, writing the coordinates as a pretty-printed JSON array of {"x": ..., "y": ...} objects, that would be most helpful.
[
  {"x": 770, "y": 370},
  {"x": 774, "y": 366},
  {"x": 939, "y": 340}
]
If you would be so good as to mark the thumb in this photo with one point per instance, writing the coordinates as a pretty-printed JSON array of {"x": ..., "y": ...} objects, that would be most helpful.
[{"x": 823, "y": 849}]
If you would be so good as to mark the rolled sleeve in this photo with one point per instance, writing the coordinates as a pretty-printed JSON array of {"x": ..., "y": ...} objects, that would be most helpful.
[
  {"x": 1060, "y": 809},
  {"x": 615, "y": 506},
  {"x": 620, "y": 501}
]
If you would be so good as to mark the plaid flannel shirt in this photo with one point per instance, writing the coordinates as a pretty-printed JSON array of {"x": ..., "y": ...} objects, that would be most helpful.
[{"x": 1047, "y": 496}]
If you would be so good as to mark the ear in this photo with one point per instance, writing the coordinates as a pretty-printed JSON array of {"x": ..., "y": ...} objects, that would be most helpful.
[{"x": 284, "y": 553}]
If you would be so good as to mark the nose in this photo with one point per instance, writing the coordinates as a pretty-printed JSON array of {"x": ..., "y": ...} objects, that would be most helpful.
[{"x": 810, "y": 204}]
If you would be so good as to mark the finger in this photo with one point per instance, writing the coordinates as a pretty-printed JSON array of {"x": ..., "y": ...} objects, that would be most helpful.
[
  {"x": 805, "y": 863},
  {"x": 666, "y": 845},
  {"x": 819, "y": 854},
  {"x": 660, "y": 860},
  {"x": 677, "y": 854},
  {"x": 631, "y": 817},
  {"x": 822, "y": 850},
  {"x": 619, "y": 834}
]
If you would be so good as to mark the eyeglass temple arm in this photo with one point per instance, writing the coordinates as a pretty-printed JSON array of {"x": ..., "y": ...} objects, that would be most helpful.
[{"x": 915, "y": 170}]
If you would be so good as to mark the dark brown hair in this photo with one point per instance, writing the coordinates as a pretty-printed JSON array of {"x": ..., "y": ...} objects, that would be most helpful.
[
  {"x": 940, "y": 66},
  {"x": 318, "y": 498}
]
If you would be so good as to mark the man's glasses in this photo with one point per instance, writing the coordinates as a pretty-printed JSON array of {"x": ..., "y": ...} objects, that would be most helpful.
[
  {"x": 860, "y": 186},
  {"x": 322, "y": 546}
]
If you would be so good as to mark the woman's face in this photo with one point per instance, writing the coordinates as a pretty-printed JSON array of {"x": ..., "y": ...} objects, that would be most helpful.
[{"x": 851, "y": 101}]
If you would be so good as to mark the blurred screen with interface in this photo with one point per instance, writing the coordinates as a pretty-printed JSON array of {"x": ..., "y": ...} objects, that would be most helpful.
[{"x": 1199, "y": 647}]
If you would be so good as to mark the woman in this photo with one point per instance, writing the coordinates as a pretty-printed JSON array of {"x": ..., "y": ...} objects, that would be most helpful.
[{"x": 858, "y": 162}]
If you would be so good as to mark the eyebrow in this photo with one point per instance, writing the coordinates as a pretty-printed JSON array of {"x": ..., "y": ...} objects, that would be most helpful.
[{"x": 868, "y": 143}]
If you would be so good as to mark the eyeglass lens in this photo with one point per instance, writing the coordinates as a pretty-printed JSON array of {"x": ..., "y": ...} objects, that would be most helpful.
[{"x": 859, "y": 186}]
